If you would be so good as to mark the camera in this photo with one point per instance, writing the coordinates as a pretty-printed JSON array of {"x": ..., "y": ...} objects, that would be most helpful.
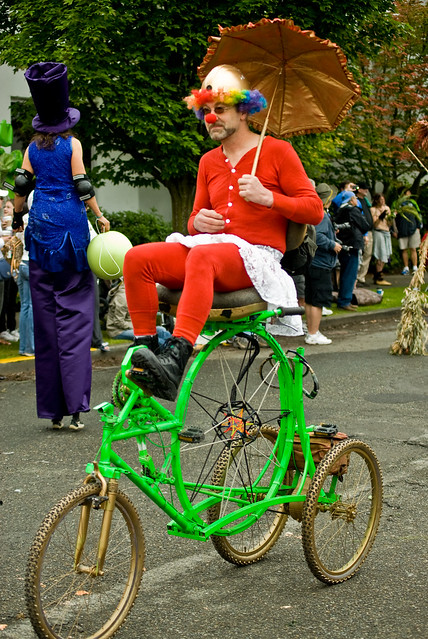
[{"x": 341, "y": 227}]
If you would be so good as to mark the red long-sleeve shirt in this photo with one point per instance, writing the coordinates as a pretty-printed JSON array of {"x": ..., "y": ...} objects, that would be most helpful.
[{"x": 279, "y": 170}]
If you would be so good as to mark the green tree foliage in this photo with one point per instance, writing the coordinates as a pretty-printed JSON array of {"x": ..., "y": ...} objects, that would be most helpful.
[
  {"x": 132, "y": 61},
  {"x": 374, "y": 138},
  {"x": 140, "y": 227}
]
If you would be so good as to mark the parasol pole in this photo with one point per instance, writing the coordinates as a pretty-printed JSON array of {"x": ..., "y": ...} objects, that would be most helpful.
[
  {"x": 263, "y": 133},
  {"x": 416, "y": 158}
]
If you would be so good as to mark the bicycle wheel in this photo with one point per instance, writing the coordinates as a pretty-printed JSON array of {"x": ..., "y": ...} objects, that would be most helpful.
[
  {"x": 66, "y": 602},
  {"x": 266, "y": 369},
  {"x": 228, "y": 402},
  {"x": 338, "y": 532},
  {"x": 242, "y": 466}
]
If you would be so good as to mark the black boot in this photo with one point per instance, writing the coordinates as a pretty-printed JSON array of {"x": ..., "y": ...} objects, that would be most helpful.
[
  {"x": 140, "y": 377},
  {"x": 151, "y": 341},
  {"x": 162, "y": 375}
]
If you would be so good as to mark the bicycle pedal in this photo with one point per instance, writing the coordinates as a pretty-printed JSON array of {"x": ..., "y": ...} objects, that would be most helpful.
[
  {"x": 137, "y": 372},
  {"x": 326, "y": 429},
  {"x": 191, "y": 436},
  {"x": 138, "y": 380}
]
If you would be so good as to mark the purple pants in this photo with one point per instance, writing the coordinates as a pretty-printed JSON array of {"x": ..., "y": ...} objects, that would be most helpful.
[{"x": 63, "y": 310}]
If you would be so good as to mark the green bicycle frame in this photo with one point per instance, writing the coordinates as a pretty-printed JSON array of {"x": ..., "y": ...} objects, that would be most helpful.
[{"x": 142, "y": 416}]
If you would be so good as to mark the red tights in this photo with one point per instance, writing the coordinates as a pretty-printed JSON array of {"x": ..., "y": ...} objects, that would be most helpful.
[{"x": 198, "y": 271}]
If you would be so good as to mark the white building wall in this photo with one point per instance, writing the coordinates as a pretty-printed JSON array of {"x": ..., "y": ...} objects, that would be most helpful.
[
  {"x": 12, "y": 86},
  {"x": 111, "y": 197}
]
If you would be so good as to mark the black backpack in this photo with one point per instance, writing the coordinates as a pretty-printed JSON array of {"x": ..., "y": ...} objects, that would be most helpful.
[{"x": 297, "y": 261}]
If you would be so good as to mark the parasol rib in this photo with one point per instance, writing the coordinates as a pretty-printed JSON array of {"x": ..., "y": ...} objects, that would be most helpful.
[
  {"x": 416, "y": 158},
  {"x": 263, "y": 133}
]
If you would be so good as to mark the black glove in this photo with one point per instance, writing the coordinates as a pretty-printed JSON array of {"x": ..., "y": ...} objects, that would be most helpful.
[{"x": 17, "y": 220}]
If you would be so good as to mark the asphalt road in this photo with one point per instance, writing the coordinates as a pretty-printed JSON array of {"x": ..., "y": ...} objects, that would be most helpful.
[{"x": 188, "y": 591}]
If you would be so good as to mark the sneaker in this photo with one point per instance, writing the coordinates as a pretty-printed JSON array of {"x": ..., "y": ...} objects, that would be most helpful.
[
  {"x": 317, "y": 338},
  {"x": 104, "y": 348},
  {"x": 383, "y": 282},
  {"x": 27, "y": 354},
  {"x": 15, "y": 333},
  {"x": 326, "y": 311},
  {"x": 405, "y": 271},
  {"x": 9, "y": 337},
  {"x": 414, "y": 269},
  {"x": 76, "y": 424},
  {"x": 57, "y": 424}
]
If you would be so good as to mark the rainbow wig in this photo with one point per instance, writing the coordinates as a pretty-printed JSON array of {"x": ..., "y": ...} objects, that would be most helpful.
[{"x": 247, "y": 101}]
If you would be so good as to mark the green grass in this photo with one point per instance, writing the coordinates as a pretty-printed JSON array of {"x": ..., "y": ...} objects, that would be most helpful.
[{"x": 392, "y": 297}]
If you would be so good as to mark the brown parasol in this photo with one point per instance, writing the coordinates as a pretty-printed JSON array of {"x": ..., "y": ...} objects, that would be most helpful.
[{"x": 304, "y": 78}]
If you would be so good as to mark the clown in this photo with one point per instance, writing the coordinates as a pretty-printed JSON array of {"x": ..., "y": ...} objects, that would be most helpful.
[
  {"x": 226, "y": 85},
  {"x": 237, "y": 231}
]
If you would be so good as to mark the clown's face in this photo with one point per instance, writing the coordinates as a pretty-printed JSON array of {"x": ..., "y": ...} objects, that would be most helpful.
[{"x": 221, "y": 120}]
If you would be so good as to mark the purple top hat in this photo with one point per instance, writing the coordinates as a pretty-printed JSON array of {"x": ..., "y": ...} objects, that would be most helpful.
[{"x": 49, "y": 89}]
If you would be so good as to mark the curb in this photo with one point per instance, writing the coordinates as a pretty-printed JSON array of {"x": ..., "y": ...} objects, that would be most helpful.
[
  {"x": 18, "y": 363},
  {"x": 359, "y": 316}
]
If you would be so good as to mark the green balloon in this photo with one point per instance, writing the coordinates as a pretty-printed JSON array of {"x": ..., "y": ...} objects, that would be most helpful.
[{"x": 106, "y": 254}]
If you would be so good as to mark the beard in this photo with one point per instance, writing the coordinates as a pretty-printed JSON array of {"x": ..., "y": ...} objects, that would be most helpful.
[{"x": 221, "y": 132}]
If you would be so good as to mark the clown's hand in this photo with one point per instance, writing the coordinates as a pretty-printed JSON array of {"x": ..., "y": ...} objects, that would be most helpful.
[
  {"x": 208, "y": 221},
  {"x": 252, "y": 190}
]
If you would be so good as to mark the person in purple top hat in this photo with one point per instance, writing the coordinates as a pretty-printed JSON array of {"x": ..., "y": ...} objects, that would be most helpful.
[{"x": 57, "y": 236}]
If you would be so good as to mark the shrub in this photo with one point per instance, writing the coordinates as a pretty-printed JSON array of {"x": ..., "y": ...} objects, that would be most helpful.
[{"x": 140, "y": 227}]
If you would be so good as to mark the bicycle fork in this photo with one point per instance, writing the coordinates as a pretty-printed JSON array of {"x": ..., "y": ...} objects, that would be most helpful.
[{"x": 107, "y": 501}]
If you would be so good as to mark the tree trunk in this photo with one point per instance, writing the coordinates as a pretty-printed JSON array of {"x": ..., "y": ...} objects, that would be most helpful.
[{"x": 182, "y": 193}]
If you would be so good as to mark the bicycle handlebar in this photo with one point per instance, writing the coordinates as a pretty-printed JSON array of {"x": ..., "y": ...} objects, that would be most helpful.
[{"x": 293, "y": 310}]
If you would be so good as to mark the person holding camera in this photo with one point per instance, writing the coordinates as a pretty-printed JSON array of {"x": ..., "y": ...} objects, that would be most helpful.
[
  {"x": 353, "y": 224},
  {"x": 344, "y": 188},
  {"x": 318, "y": 280}
]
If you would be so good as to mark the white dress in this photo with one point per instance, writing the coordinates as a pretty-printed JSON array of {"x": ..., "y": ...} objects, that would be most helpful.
[{"x": 263, "y": 267}]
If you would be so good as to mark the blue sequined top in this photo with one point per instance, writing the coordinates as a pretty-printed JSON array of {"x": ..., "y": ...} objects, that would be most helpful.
[{"x": 57, "y": 234}]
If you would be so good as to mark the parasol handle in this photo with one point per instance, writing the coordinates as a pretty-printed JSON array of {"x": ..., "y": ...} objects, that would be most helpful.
[
  {"x": 263, "y": 133},
  {"x": 414, "y": 155}
]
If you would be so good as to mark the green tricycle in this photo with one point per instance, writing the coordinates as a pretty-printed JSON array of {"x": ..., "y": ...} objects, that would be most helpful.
[{"x": 222, "y": 464}]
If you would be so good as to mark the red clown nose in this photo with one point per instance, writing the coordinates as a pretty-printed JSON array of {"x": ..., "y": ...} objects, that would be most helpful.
[{"x": 210, "y": 118}]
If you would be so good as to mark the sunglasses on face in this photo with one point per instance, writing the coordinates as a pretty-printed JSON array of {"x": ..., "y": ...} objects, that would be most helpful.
[{"x": 218, "y": 110}]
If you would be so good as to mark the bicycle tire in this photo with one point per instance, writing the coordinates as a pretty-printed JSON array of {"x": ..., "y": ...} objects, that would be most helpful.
[
  {"x": 63, "y": 602},
  {"x": 337, "y": 537},
  {"x": 239, "y": 467}
]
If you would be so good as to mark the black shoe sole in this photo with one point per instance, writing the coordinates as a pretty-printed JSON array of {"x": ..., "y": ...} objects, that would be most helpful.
[{"x": 150, "y": 375}]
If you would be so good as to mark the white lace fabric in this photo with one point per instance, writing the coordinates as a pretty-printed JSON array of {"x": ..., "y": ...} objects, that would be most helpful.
[{"x": 262, "y": 264}]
